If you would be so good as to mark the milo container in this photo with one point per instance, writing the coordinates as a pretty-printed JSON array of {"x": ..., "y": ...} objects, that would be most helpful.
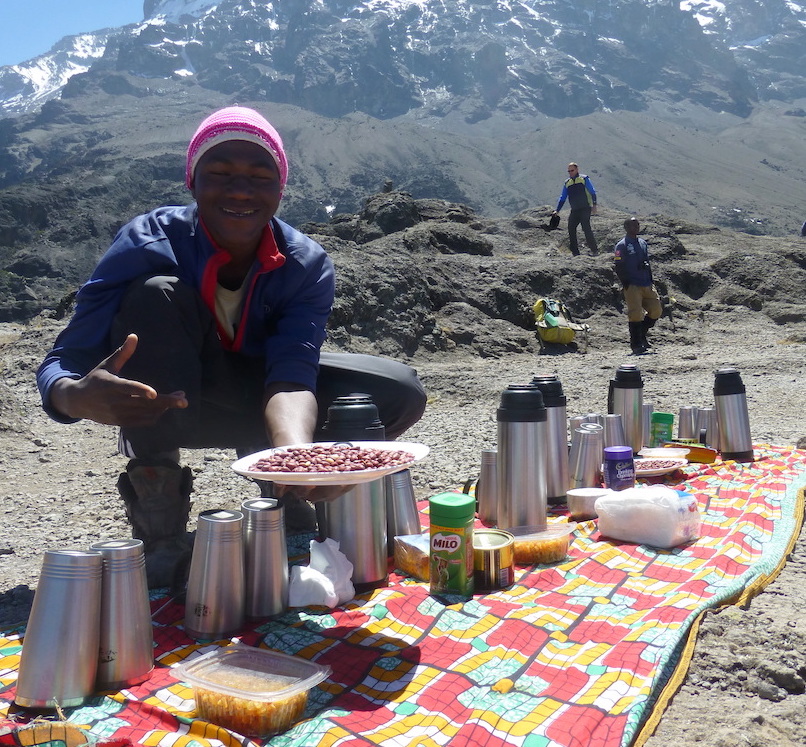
[{"x": 451, "y": 561}]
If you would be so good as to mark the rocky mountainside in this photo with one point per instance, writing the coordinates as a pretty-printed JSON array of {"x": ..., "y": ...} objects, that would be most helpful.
[
  {"x": 389, "y": 58},
  {"x": 691, "y": 111}
]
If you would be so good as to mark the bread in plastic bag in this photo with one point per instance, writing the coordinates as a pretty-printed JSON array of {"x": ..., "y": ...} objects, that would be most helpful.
[
  {"x": 413, "y": 554},
  {"x": 653, "y": 515}
]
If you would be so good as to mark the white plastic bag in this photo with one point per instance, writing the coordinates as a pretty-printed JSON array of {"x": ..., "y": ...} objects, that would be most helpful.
[
  {"x": 326, "y": 580},
  {"x": 654, "y": 515}
]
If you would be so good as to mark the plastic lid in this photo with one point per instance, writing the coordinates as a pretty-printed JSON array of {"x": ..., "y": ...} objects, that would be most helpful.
[
  {"x": 452, "y": 505},
  {"x": 284, "y": 675},
  {"x": 662, "y": 417},
  {"x": 728, "y": 381},
  {"x": 521, "y": 403},
  {"x": 617, "y": 452}
]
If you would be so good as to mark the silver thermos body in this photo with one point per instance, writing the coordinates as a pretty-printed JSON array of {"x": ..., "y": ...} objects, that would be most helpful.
[
  {"x": 556, "y": 437},
  {"x": 521, "y": 459},
  {"x": 357, "y": 519},
  {"x": 626, "y": 398},
  {"x": 733, "y": 419}
]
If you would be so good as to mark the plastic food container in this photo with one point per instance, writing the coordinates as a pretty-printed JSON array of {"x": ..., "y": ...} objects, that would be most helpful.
[
  {"x": 663, "y": 452},
  {"x": 547, "y": 546},
  {"x": 252, "y": 691},
  {"x": 581, "y": 502}
]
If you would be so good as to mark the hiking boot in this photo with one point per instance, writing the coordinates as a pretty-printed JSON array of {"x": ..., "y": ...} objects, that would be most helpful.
[
  {"x": 636, "y": 344},
  {"x": 156, "y": 495},
  {"x": 646, "y": 325}
]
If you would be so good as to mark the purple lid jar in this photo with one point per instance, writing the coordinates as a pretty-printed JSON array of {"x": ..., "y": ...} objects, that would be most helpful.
[{"x": 619, "y": 467}]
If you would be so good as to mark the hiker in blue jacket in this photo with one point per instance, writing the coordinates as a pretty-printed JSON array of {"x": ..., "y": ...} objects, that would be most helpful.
[
  {"x": 201, "y": 326},
  {"x": 581, "y": 197},
  {"x": 633, "y": 270}
]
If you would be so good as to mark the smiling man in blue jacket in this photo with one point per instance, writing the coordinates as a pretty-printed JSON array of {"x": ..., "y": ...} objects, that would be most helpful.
[{"x": 201, "y": 326}]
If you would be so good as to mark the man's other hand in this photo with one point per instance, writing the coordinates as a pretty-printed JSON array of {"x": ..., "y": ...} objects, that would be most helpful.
[{"x": 105, "y": 397}]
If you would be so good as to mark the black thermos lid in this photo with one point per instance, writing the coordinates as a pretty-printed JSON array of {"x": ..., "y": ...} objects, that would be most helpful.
[
  {"x": 728, "y": 381},
  {"x": 521, "y": 403},
  {"x": 628, "y": 376},
  {"x": 551, "y": 388},
  {"x": 353, "y": 418}
]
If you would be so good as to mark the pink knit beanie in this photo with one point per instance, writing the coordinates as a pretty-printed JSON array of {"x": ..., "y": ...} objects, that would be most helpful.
[{"x": 235, "y": 123}]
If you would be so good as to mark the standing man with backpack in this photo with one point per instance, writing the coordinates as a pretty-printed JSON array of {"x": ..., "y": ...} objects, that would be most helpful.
[
  {"x": 632, "y": 268},
  {"x": 581, "y": 196}
]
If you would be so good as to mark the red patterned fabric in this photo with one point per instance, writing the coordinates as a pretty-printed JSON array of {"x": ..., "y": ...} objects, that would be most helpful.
[{"x": 575, "y": 654}]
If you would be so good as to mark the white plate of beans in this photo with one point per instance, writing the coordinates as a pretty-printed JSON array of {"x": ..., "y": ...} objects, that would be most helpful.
[{"x": 331, "y": 462}]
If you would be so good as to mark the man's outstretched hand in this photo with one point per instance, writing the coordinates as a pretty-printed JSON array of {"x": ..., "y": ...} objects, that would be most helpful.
[{"x": 105, "y": 397}]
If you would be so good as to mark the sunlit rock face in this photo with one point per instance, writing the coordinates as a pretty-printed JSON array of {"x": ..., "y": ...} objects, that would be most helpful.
[{"x": 388, "y": 58}]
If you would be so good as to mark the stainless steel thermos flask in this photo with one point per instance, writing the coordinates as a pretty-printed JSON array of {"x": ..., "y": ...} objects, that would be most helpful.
[
  {"x": 556, "y": 437},
  {"x": 357, "y": 519},
  {"x": 733, "y": 419},
  {"x": 521, "y": 462},
  {"x": 626, "y": 396}
]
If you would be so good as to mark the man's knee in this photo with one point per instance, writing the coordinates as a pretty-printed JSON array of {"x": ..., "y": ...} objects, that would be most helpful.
[{"x": 150, "y": 289}]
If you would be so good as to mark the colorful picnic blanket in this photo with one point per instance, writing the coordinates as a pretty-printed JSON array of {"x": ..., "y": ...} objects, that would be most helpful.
[{"x": 582, "y": 653}]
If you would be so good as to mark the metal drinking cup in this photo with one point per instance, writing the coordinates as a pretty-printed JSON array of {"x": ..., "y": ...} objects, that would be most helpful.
[
  {"x": 126, "y": 653},
  {"x": 614, "y": 431},
  {"x": 214, "y": 602},
  {"x": 265, "y": 558},
  {"x": 59, "y": 657},
  {"x": 402, "y": 516},
  {"x": 687, "y": 423}
]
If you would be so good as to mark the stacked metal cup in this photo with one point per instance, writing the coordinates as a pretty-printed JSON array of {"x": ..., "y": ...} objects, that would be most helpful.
[
  {"x": 357, "y": 519},
  {"x": 614, "y": 430},
  {"x": 585, "y": 460},
  {"x": 126, "y": 652},
  {"x": 487, "y": 487},
  {"x": 265, "y": 558},
  {"x": 214, "y": 602},
  {"x": 554, "y": 401},
  {"x": 647, "y": 408},
  {"x": 59, "y": 659},
  {"x": 687, "y": 423},
  {"x": 522, "y": 435},
  {"x": 402, "y": 516}
]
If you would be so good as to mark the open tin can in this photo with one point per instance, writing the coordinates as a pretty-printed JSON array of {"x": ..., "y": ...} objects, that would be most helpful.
[{"x": 493, "y": 559}]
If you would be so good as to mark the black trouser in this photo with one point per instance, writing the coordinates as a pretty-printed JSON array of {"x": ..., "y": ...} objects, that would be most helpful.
[
  {"x": 178, "y": 349},
  {"x": 581, "y": 216}
]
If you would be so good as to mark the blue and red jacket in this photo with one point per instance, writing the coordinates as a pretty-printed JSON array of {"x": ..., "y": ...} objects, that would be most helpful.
[{"x": 288, "y": 299}]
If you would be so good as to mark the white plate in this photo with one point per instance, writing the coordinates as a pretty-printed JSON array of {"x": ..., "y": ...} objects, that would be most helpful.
[
  {"x": 678, "y": 463},
  {"x": 244, "y": 465}
]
